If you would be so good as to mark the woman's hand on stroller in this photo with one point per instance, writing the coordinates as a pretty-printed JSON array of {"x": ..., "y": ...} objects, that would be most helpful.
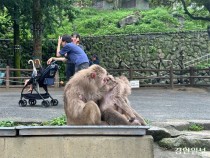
[{"x": 50, "y": 60}]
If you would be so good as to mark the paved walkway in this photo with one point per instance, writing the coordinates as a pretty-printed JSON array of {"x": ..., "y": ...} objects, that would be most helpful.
[
  {"x": 180, "y": 103},
  {"x": 154, "y": 104}
]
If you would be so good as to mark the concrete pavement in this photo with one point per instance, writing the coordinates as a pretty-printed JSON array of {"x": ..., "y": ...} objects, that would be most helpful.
[{"x": 154, "y": 104}]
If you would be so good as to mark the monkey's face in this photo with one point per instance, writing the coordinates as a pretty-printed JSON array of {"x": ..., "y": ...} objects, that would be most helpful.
[
  {"x": 102, "y": 80},
  {"x": 111, "y": 83},
  {"x": 100, "y": 75}
]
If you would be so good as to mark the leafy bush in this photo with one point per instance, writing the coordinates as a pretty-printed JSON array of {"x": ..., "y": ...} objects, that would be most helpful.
[
  {"x": 203, "y": 65},
  {"x": 5, "y": 26},
  {"x": 59, "y": 121},
  {"x": 7, "y": 124},
  {"x": 195, "y": 127}
]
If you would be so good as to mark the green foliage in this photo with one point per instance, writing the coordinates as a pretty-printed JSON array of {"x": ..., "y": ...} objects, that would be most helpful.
[
  {"x": 7, "y": 124},
  {"x": 105, "y": 22},
  {"x": 5, "y": 26},
  {"x": 90, "y": 21},
  {"x": 189, "y": 25},
  {"x": 203, "y": 65},
  {"x": 148, "y": 122},
  {"x": 51, "y": 12},
  {"x": 160, "y": 14},
  {"x": 59, "y": 121},
  {"x": 195, "y": 127}
]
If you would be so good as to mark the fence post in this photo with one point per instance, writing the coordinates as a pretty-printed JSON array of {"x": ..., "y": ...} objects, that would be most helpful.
[
  {"x": 57, "y": 79},
  {"x": 130, "y": 73},
  {"x": 171, "y": 77},
  {"x": 192, "y": 74},
  {"x": 7, "y": 77}
]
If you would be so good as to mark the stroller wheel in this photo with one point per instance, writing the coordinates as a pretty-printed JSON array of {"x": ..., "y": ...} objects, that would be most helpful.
[
  {"x": 54, "y": 102},
  {"x": 45, "y": 103},
  {"x": 25, "y": 102},
  {"x": 22, "y": 103},
  {"x": 32, "y": 102}
]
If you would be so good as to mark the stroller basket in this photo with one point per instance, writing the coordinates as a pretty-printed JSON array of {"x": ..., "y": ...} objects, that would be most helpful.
[
  {"x": 36, "y": 96},
  {"x": 49, "y": 81}
]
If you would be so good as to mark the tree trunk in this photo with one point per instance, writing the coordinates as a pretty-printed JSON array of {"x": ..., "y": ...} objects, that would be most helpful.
[
  {"x": 16, "y": 39},
  {"x": 37, "y": 30}
]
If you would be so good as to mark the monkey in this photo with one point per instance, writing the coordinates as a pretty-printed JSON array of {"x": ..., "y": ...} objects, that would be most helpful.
[
  {"x": 117, "y": 95},
  {"x": 113, "y": 103},
  {"x": 115, "y": 106},
  {"x": 127, "y": 91},
  {"x": 82, "y": 92}
]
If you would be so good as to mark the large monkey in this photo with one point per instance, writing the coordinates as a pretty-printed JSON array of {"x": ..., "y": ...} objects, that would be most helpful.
[
  {"x": 115, "y": 106},
  {"x": 80, "y": 94}
]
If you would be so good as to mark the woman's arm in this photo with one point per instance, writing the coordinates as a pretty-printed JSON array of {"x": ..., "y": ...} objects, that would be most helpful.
[
  {"x": 56, "y": 59},
  {"x": 59, "y": 46}
]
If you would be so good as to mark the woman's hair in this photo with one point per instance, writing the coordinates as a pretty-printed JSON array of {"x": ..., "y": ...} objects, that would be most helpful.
[{"x": 75, "y": 34}]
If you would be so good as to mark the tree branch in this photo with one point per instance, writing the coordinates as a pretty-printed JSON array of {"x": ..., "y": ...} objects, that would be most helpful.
[{"x": 191, "y": 16}]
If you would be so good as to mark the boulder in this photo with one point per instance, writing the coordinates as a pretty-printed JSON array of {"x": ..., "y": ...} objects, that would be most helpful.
[
  {"x": 131, "y": 19},
  {"x": 188, "y": 142},
  {"x": 158, "y": 133}
]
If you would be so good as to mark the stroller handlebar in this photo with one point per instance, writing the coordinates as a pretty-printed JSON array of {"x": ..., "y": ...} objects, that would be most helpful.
[{"x": 53, "y": 62}]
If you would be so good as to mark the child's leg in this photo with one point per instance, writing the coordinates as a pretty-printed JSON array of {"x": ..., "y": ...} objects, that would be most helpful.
[
  {"x": 26, "y": 81},
  {"x": 30, "y": 88}
]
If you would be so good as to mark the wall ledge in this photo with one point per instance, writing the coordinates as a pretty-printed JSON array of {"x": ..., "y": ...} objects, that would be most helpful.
[{"x": 73, "y": 130}]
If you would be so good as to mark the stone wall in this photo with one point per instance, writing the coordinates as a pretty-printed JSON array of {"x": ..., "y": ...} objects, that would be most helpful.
[
  {"x": 148, "y": 50},
  {"x": 135, "y": 50}
]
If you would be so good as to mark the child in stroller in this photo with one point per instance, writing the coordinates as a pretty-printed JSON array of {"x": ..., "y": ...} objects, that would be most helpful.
[
  {"x": 37, "y": 67},
  {"x": 42, "y": 79}
]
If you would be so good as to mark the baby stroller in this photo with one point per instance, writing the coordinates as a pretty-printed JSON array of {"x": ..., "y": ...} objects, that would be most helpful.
[{"x": 44, "y": 79}]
